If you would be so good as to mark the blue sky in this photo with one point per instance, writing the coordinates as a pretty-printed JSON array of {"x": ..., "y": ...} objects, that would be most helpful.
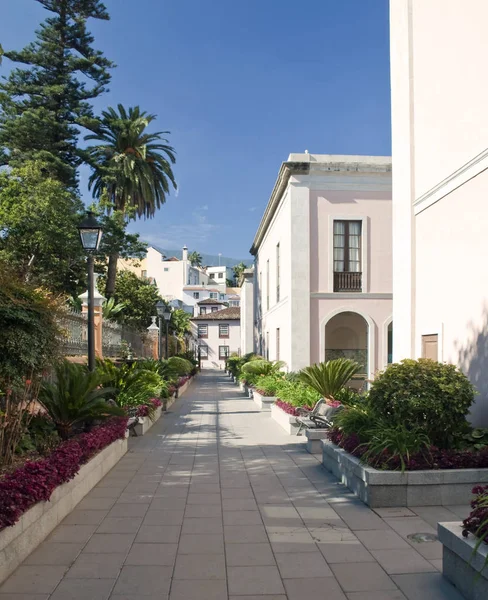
[{"x": 240, "y": 85}]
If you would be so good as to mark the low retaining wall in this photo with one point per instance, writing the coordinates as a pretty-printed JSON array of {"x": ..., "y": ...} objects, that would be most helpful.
[
  {"x": 18, "y": 541},
  {"x": 145, "y": 423},
  {"x": 461, "y": 565},
  {"x": 288, "y": 422},
  {"x": 392, "y": 488},
  {"x": 184, "y": 387},
  {"x": 314, "y": 440},
  {"x": 264, "y": 402}
]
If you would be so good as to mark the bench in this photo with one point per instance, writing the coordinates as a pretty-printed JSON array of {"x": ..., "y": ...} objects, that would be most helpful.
[{"x": 320, "y": 417}]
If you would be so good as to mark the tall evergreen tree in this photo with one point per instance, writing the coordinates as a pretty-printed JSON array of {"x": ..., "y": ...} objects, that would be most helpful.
[{"x": 44, "y": 102}]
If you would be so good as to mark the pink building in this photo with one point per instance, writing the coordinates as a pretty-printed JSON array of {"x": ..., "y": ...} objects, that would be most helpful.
[
  {"x": 217, "y": 334},
  {"x": 323, "y": 266}
]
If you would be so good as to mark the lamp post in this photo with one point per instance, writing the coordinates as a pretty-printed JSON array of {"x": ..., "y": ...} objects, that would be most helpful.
[
  {"x": 164, "y": 313},
  {"x": 90, "y": 234}
]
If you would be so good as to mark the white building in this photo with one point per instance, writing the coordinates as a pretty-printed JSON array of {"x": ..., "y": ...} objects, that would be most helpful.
[
  {"x": 247, "y": 311},
  {"x": 440, "y": 183},
  {"x": 219, "y": 276},
  {"x": 193, "y": 294},
  {"x": 217, "y": 335},
  {"x": 323, "y": 273}
]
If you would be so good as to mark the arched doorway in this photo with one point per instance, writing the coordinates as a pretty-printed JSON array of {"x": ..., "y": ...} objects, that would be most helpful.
[{"x": 346, "y": 336}]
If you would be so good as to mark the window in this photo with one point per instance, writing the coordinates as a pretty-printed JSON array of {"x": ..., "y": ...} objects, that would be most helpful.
[
  {"x": 203, "y": 331},
  {"x": 203, "y": 352},
  {"x": 277, "y": 273},
  {"x": 430, "y": 346},
  {"x": 267, "y": 284},
  {"x": 144, "y": 274},
  {"x": 234, "y": 303},
  {"x": 196, "y": 295},
  {"x": 347, "y": 256},
  {"x": 277, "y": 344},
  {"x": 224, "y": 352},
  {"x": 215, "y": 308},
  {"x": 220, "y": 275},
  {"x": 223, "y": 330},
  {"x": 203, "y": 310},
  {"x": 214, "y": 295},
  {"x": 166, "y": 269},
  {"x": 221, "y": 296}
]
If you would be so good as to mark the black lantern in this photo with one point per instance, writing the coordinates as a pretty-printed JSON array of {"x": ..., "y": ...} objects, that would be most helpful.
[{"x": 90, "y": 232}]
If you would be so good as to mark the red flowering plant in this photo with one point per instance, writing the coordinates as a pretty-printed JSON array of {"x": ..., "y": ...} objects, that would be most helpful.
[
  {"x": 148, "y": 409},
  {"x": 287, "y": 407},
  {"x": 477, "y": 521},
  {"x": 35, "y": 481}
]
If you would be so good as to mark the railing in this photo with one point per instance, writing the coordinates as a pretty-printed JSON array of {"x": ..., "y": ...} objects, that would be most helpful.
[
  {"x": 74, "y": 338},
  {"x": 347, "y": 281},
  {"x": 359, "y": 355},
  {"x": 111, "y": 339},
  {"x": 138, "y": 342}
]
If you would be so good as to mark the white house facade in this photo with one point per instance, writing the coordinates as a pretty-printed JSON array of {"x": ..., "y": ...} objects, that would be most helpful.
[
  {"x": 323, "y": 273},
  {"x": 217, "y": 335},
  {"x": 440, "y": 183}
]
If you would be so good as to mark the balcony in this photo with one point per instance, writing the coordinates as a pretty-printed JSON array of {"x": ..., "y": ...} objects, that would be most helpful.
[{"x": 347, "y": 281}]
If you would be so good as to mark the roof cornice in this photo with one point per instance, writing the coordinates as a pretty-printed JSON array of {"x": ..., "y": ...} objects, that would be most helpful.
[{"x": 287, "y": 169}]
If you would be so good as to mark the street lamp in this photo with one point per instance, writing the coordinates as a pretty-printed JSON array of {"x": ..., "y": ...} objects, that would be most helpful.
[
  {"x": 90, "y": 234},
  {"x": 164, "y": 312}
]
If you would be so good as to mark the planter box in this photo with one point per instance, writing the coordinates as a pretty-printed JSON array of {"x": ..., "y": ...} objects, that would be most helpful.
[
  {"x": 461, "y": 565},
  {"x": 250, "y": 392},
  {"x": 145, "y": 423},
  {"x": 18, "y": 541},
  {"x": 376, "y": 488},
  {"x": 314, "y": 440},
  {"x": 184, "y": 387},
  {"x": 288, "y": 422},
  {"x": 265, "y": 402}
]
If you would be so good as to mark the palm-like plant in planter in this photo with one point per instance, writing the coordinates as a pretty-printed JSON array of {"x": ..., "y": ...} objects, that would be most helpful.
[
  {"x": 328, "y": 378},
  {"x": 262, "y": 367},
  {"x": 76, "y": 399}
]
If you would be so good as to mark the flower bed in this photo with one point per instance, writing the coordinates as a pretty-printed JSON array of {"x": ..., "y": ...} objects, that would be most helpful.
[
  {"x": 284, "y": 418},
  {"x": 434, "y": 459},
  {"x": 287, "y": 407},
  {"x": 36, "y": 481},
  {"x": 143, "y": 411}
]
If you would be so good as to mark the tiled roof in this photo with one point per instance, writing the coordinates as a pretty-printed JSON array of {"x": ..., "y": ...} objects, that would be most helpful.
[
  {"x": 199, "y": 288},
  {"x": 226, "y": 314},
  {"x": 172, "y": 259},
  {"x": 209, "y": 301}
]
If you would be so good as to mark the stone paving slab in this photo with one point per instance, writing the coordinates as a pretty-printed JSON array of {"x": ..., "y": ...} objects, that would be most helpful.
[{"x": 217, "y": 502}]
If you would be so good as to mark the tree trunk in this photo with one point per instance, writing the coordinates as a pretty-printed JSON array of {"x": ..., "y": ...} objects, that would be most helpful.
[{"x": 111, "y": 274}]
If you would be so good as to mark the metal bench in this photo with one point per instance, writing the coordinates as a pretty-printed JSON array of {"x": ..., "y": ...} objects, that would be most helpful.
[{"x": 320, "y": 417}]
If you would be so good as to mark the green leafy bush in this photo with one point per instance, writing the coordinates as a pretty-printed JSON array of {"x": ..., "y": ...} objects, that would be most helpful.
[
  {"x": 424, "y": 394},
  {"x": 180, "y": 365},
  {"x": 297, "y": 394},
  {"x": 356, "y": 420},
  {"x": 398, "y": 442},
  {"x": 40, "y": 436},
  {"x": 76, "y": 399},
  {"x": 268, "y": 385},
  {"x": 130, "y": 385},
  {"x": 262, "y": 367},
  {"x": 329, "y": 378}
]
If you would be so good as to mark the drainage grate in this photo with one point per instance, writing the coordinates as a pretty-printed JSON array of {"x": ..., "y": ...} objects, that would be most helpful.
[{"x": 422, "y": 537}]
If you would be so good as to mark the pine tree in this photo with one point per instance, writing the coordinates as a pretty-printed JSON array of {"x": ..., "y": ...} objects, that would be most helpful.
[{"x": 44, "y": 102}]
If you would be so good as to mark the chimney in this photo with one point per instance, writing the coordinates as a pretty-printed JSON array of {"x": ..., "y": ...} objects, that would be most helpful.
[{"x": 185, "y": 253}]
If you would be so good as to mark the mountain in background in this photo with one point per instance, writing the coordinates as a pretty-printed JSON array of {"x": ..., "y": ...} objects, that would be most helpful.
[{"x": 208, "y": 260}]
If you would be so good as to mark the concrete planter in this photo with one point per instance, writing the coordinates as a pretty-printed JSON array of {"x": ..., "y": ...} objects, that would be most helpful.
[
  {"x": 18, "y": 541},
  {"x": 145, "y": 423},
  {"x": 288, "y": 422},
  {"x": 264, "y": 402},
  {"x": 184, "y": 387},
  {"x": 392, "y": 488},
  {"x": 461, "y": 565},
  {"x": 250, "y": 392},
  {"x": 242, "y": 386},
  {"x": 314, "y": 440}
]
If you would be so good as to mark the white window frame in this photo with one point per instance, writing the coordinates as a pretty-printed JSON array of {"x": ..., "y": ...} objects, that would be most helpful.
[
  {"x": 224, "y": 336},
  {"x": 213, "y": 296},
  {"x": 203, "y": 348},
  {"x": 196, "y": 295},
  {"x": 206, "y": 331},
  {"x": 364, "y": 249},
  {"x": 227, "y": 354}
]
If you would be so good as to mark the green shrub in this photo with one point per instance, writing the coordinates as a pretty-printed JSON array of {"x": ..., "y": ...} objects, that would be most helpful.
[
  {"x": 329, "y": 378},
  {"x": 398, "y": 442},
  {"x": 297, "y": 394},
  {"x": 29, "y": 332},
  {"x": 262, "y": 367},
  {"x": 131, "y": 385},
  {"x": 40, "y": 436},
  {"x": 76, "y": 399},
  {"x": 429, "y": 395},
  {"x": 180, "y": 365},
  {"x": 350, "y": 397},
  {"x": 357, "y": 419},
  {"x": 269, "y": 384}
]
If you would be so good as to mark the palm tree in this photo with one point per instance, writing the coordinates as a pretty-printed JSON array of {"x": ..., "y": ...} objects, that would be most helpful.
[
  {"x": 131, "y": 168},
  {"x": 238, "y": 270},
  {"x": 195, "y": 259}
]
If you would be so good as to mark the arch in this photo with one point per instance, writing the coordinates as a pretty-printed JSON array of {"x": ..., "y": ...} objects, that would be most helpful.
[{"x": 371, "y": 368}]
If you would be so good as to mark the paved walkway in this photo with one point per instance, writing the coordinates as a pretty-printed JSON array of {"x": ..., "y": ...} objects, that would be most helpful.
[{"x": 216, "y": 502}]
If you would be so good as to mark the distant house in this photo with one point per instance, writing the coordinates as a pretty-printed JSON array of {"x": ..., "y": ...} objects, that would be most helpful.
[{"x": 217, "y": 335}]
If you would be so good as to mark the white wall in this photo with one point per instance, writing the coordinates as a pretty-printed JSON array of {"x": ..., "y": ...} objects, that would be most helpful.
[
  {"x": 278, "y": 313},
  {"x": 440, "y": 132},
  {"x": 247, "y": 314},
  {"x": 213, "y": 341}
]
